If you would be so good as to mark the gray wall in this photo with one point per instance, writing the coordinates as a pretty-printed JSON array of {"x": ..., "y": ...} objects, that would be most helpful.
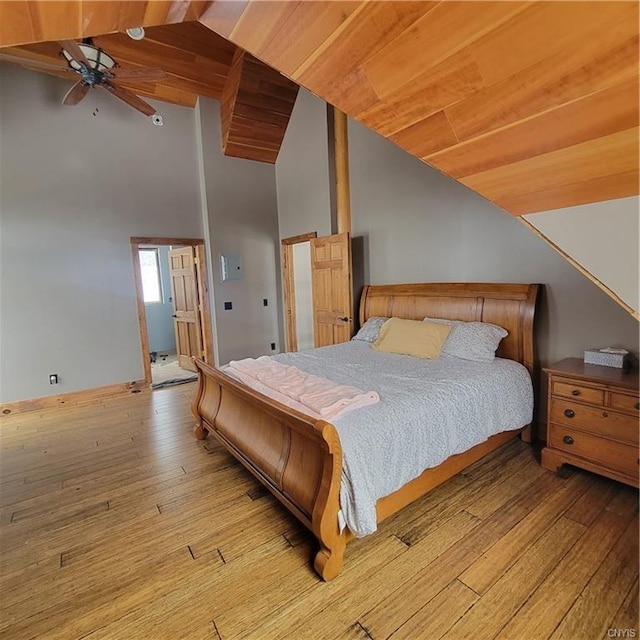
[
  {"x": 413, "y": 224},
  {"x": 419, "y": 225},
  {"x": 75, "y": 184},
  {"x": 162, "y": 335},
  {"x": 302, "y": 170},
  {"x": 241, "y": 218}
]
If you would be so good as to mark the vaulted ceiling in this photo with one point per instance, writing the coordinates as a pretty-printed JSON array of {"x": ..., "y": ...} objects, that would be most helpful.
[{"x": 533, "y": 105}]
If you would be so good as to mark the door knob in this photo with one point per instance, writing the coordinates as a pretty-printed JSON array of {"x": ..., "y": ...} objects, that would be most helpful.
[
  {"x": 174, "y": 315},
  {"x": 345, "y": 319}
]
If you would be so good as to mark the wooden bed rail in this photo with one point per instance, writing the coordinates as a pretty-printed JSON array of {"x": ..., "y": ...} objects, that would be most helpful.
[{"x": 297, "y": 458}]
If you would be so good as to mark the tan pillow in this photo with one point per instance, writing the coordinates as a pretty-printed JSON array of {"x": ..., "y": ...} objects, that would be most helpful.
[{"x": 412, "y": 338}]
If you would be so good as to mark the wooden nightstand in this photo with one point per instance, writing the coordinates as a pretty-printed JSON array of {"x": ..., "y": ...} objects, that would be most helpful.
[{"x": 593, "y": 419}]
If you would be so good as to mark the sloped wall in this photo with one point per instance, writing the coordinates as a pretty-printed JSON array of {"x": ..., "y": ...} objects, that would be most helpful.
[{"x": 603, "y": 238}]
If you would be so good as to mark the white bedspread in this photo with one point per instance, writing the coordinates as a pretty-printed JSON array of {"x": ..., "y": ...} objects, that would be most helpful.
[{"x": 428, "y": 411}]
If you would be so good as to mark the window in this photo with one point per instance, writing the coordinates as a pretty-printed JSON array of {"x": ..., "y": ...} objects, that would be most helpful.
[{"x": 150, "y": 269}]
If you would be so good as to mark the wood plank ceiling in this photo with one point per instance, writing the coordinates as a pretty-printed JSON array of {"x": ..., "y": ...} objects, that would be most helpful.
[
  {"x": 195, "y": 59},
  {"x": 533, "y": 105}
]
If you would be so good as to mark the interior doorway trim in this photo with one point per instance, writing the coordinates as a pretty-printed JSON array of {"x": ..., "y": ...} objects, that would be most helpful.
[
  {"x": 203, "y": 296},
  {"x": 288, "y": 278}
]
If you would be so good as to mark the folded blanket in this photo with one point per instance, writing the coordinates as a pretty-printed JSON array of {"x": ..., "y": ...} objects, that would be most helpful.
[{"x": 318, "y": 396}]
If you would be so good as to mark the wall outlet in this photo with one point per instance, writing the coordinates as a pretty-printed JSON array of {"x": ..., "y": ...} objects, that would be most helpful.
[
  {"x": 53, "y": 378},
  {"x": 228, "y": 306},
  {"x": 273, "y": 346}
]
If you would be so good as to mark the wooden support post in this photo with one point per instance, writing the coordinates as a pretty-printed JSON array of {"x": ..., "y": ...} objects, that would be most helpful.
[{"x": 341, "y": 151}]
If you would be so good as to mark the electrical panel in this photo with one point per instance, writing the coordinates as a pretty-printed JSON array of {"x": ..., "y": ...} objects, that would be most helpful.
[{"x": 231, "y": 264}]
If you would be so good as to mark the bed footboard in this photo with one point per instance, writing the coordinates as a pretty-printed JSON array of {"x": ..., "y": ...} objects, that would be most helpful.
[{"x": 297, "y": 458}]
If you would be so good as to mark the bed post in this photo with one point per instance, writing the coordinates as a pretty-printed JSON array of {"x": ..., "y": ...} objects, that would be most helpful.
[
  {"x": 199, "y": 430},
  {"x": 529, "y": 346},
  {"x": 324, "y": 521}
]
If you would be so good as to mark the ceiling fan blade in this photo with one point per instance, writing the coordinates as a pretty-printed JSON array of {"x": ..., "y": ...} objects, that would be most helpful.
[
  {"x": 76, "y": 93},
  {"x": 71, "y": 47},
  {"x": 130, "y": 98},
  {"x": 138, "y": 74},
  {"x": 35, "y": 64}
]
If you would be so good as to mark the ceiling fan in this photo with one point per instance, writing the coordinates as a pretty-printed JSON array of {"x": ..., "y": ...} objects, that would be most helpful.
[{"x": 96, "y": 69}]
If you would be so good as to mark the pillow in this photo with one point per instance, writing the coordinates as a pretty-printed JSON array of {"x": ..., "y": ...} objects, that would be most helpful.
[
  {"x": 412, "y": 338},
  {"x": 370, "y": 330},
  {"x": 475, "y": 341}
]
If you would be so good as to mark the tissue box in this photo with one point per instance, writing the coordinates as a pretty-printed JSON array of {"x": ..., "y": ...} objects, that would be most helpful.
[{"x": 617, "y": 359}]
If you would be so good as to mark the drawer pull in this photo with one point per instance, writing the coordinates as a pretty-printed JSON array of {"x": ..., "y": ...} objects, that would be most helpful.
[
  {"x": 567, "y": 440},
  {"x": 575, "y": 392},
  {"x": 570, "y": 413},
  {"x": 638, "y": 406},
  {"x": 605, "y": 414}
]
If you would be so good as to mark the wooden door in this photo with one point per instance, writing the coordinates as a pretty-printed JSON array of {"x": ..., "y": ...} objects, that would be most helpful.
[
  {"x": 186, "y": 315},
  {"x": 332, "y": 286}
]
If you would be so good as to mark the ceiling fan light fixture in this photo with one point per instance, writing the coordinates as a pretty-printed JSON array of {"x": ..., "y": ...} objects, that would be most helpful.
[
  {"x": 98, "y": 59},
  {"x": 136, "y": 33}
]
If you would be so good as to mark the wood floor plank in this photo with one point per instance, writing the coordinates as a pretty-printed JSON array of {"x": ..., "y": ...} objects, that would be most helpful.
[
  {"x": 267, "y": 614},
  {"x": 541, "y": 614},
  {"x": 408, "y": 599},
  {"x": 504, "y": 489},
  {"x": 353, "y": 632},
  {"x": 506, "y": 551},
  {"x": 626, "y": 618},
  {"x": 180, "y": 610},
  {"x": 587, "y": 508},
  {"x": 115, "y": 522},
  {"x": 348, "y": 603},
  {"x": 625, "y": 502},
  {"x": 440, "y": 614},
  {"x": 505, "y": 597},
  {"x": 97, "y": 603},
  {"x": 594, "y": 609}
]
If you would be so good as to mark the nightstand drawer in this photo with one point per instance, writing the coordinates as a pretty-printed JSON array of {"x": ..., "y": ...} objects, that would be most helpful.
[
  {"x": 584, "y": 394},
  {"x": 598, "y": 420},
  {"x": 625, "y": 402},
  {"x": 613, "y": 455}
]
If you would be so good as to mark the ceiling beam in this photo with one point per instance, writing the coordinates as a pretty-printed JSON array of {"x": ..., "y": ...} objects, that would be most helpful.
[{"x": 255, "y": 108}]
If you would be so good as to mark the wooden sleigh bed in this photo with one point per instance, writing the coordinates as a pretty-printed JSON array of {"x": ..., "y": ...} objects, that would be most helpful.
[{"x": 299, "y": 458}]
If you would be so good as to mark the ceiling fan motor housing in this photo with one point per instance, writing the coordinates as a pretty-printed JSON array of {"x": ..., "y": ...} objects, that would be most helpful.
[{"x": 99, "y": 64}]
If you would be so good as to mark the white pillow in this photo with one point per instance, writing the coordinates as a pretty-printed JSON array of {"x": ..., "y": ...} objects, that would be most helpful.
[
  {"x": 370, "y": 330},
  {"x": 477, "y": 341}
]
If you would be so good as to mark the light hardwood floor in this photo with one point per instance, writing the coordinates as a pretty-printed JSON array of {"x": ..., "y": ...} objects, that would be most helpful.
[{"x": 116, "y": 523}]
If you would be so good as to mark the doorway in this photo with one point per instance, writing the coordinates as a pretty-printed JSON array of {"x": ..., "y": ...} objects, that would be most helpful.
[
  {"x": 317, "y": 290},
  {"x": 298, "y": 299},
  {"x": 173, "y": 308}
]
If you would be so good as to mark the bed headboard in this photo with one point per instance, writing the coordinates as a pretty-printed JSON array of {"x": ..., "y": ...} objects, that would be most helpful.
[{"x": 511, "y": 306}]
